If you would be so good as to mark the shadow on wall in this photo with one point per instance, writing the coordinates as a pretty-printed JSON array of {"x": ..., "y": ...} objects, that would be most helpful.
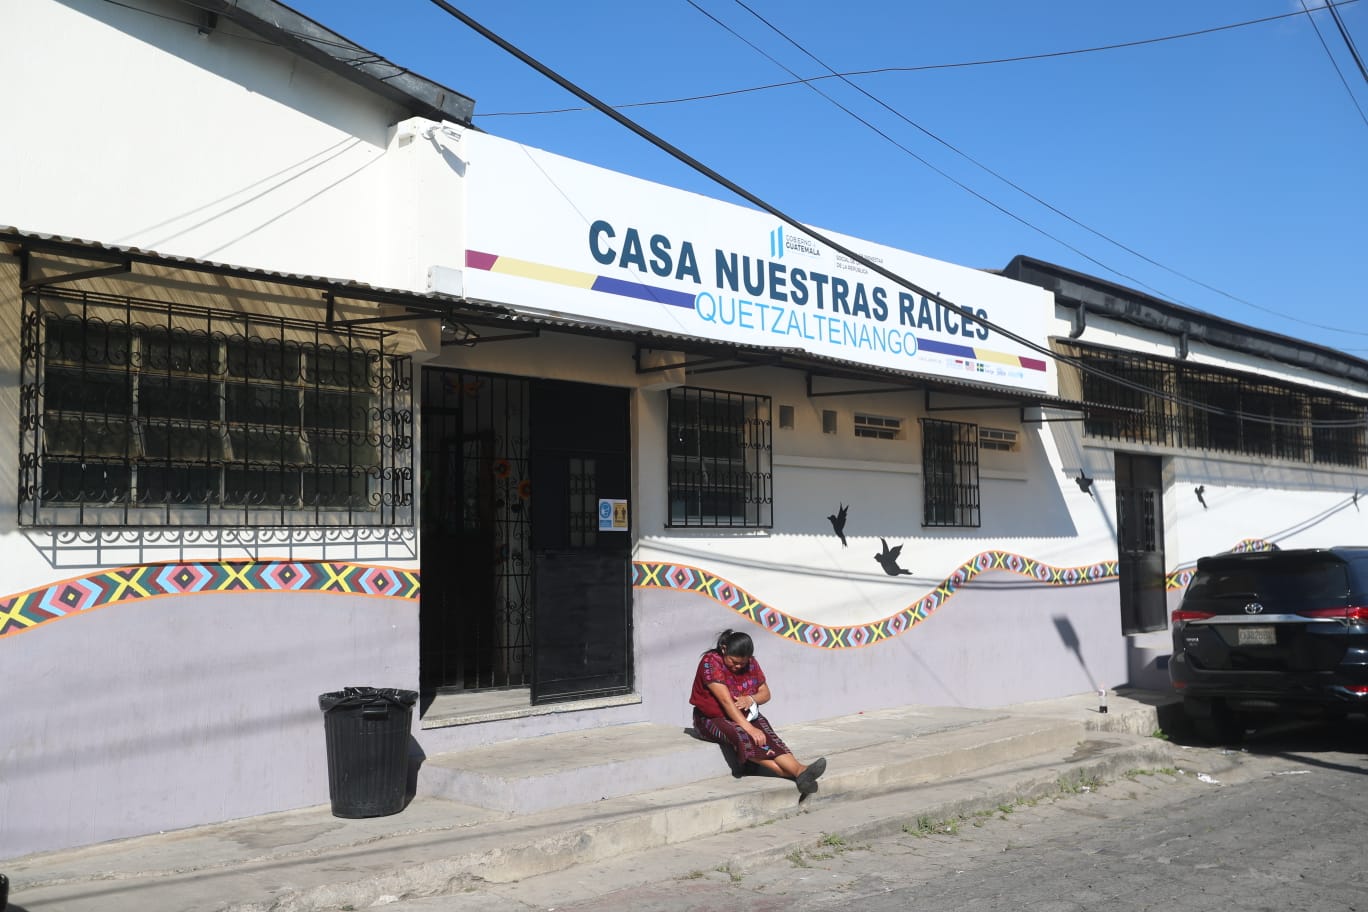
[
  {"x": 1069, "y": 636},
  {"x": 872, "y": 501},
  {"x": 91, "y": 548}
]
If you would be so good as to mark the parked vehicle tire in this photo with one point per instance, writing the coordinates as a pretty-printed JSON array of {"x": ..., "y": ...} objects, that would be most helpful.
[{"x": 1216, "y": 723}]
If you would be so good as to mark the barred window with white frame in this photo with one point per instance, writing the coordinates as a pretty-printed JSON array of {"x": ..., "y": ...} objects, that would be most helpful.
[
  {"x": 999, "y": 439},
  {"x": 878, "y": 427}
]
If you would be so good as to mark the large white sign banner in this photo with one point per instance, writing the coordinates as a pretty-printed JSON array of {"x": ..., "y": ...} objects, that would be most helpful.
[{"x": 553, "y": 235}]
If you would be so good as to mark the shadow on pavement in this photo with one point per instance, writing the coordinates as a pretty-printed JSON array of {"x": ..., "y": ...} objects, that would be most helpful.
[{"x": 1308, "y": 741}]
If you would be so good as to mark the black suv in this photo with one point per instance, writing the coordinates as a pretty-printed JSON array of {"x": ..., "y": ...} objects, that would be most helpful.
[{"x": 1272, "y": 632}]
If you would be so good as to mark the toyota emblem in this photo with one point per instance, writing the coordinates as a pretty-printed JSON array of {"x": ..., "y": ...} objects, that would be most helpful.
[{"x": 1253, "y": 608}]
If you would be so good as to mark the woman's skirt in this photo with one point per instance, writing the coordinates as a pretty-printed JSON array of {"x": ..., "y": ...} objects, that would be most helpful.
[{"x": 725, "y": 731}]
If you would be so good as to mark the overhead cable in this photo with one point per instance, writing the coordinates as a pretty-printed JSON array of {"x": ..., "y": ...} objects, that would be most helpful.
[
  {"x": 929, "y": 66},
  {"x": 1334, "y": 63},
  {"x": 965, "y": 187},
  {"x": 682, "y": 156},
  {"x": 1001, "y": 177},
  {"x": 1348, "y": 41}
]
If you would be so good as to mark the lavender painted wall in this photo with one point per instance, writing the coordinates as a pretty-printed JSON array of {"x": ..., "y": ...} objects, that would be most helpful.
[
  {"x": 987, "y": 646},
  {"x": 170, "y": 712}
]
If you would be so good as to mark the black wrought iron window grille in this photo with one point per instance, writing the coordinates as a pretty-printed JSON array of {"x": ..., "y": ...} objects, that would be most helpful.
[
  {"x": 140, "y": 413},
  {"x": 1199, "y": 407},
  {"x": 950, "y": 473},
  {"x": 720, "y": 459}
]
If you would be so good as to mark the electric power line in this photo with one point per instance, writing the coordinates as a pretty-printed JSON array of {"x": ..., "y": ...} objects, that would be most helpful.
[
  {"x": 1000, "y": 177},
  {"x": 844, "y": 77},
  {"x": 683, "y": 157},
  {"x": 921, "y": 68},
  {"x": 1348, "y": 41},
  {"x": 966, "y": 188},
  {"x": 1335, "y": 64}
]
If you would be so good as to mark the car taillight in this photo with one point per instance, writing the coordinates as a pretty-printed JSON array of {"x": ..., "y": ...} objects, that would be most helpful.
[
  {"x": 1354, "y": 614},
  {"x": 1182, "y": 614},
  {"x": 1358, "y": 690}
]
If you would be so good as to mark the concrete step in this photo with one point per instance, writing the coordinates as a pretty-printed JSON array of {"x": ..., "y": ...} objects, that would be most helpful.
[
  {"x": 538, "y": 774},
  {"x": 307, "y": 860}
]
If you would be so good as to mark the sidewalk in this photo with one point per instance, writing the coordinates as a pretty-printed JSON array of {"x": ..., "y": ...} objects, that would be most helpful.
[{"x": 886, "y": 768}]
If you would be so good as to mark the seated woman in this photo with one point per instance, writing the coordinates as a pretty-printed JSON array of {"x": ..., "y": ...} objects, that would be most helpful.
[{"x": 728, "y": 689}]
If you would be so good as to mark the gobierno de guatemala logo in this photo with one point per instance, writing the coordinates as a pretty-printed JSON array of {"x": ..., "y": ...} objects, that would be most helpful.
[{"x": 782, "y": 241}]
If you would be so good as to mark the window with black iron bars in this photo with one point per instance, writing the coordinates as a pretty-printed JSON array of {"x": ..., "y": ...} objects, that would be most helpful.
[
  {"x": 720, "y": 452},
  {"x": 1179, "y": 404},
  {"x": 142, "y": 413},
  {"x": 950, "y": 473}
]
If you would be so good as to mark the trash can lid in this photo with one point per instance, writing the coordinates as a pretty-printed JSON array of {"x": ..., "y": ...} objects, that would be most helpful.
[{"x": 365, "y": 696}]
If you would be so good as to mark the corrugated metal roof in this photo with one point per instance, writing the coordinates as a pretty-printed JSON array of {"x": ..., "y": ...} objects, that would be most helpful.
[{"x": 78, "y": 248}]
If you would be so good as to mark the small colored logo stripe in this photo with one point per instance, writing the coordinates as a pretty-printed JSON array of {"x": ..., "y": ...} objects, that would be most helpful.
[{"x": 489, "y": 262}]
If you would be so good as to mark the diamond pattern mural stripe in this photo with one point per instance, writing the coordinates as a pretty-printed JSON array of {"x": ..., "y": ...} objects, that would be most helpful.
[
  {"x": 66, "y": 598},
  {"x": 683, "y": 578}
]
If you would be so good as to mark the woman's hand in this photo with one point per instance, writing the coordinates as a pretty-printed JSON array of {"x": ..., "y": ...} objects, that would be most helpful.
[
  {"x": 755, "y": 733},
  {"x": 744, "y": 703}
]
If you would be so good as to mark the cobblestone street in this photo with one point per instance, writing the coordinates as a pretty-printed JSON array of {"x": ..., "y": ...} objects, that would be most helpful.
[{"x": 1278, "y": 827}]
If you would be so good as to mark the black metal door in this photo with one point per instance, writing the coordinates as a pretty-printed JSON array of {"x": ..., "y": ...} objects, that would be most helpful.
[
  {"x": 582, "y": 615},
  {"x": 474, "y": 611},
  {"x": 1140, "y": 543}
]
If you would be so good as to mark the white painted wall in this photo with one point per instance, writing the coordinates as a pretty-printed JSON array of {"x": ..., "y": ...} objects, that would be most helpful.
[
  {"x": 1295, "y": 504},
  {"x": 138, "y": 131}
]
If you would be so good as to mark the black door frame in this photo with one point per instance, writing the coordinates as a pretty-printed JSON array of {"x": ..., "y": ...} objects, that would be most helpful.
[{"x": 1140, "y": 542}]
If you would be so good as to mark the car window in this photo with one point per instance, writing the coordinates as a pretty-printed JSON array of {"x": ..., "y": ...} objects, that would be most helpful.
[
  {"x": 1318, "y": 581},
  {"x": 1359, "y": 574}
]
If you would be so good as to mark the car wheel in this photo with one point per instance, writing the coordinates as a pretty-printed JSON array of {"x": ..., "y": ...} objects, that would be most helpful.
[{"x": 1221, "y": 726}]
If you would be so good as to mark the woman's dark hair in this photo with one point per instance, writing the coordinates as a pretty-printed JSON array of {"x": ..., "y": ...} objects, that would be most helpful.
[{"x": 735, "y": 644}]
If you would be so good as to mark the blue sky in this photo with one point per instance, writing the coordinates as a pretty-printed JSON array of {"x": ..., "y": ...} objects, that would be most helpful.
[{"x": 1233, "y": 165}]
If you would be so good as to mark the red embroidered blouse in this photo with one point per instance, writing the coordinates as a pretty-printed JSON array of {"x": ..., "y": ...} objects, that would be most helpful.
[{"x": 711, "y": 669}]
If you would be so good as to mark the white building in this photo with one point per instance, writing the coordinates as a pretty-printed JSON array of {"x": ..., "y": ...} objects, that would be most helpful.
[{"x": 291, "y": 338}]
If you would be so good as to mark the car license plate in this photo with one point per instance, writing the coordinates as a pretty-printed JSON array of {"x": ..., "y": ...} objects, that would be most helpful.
[{"x": 1257, "y": 636}]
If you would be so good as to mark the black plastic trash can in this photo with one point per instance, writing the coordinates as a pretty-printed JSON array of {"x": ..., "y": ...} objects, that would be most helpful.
[{"x": 368, "y": 749}]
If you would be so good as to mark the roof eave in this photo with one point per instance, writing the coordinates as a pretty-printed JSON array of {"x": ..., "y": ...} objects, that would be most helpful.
[{"x": 301, "y": 35}]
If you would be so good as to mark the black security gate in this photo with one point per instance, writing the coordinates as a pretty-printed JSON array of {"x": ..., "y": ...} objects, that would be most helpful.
[
  {"x": 520, "y": 588},
  {"x": 1140, "y": 543},
  {"x": 579, "y": 457},
  {"x": 476, "y": 603}
]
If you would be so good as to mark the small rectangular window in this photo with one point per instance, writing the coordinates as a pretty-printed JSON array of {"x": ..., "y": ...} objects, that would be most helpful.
[
  {"x": 878, "y": 428},
  {"x": 828, "y": 421},
  {"x": 1003, "y": 441},
  {"x": 785, "y": 417}
]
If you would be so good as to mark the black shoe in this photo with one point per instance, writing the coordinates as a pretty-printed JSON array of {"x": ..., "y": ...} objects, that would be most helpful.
[{"x": 807, "y": 779}]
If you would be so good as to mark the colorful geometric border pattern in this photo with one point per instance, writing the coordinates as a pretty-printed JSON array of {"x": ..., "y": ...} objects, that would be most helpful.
[
  {"x": 683, "y": 578},
  {"x": 1179, "y": 578},
  {"x": 28, "y": 610}
]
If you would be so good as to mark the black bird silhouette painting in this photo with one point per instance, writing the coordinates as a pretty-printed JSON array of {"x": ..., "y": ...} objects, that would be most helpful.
[
  {"x": 838, "y": 524},
  {"x": 888, "y": 559}
]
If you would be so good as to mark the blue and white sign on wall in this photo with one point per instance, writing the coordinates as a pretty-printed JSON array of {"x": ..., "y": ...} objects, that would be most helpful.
[
  {"x": 612, "y": 248},
  {"x": 612, "y": 515}
]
